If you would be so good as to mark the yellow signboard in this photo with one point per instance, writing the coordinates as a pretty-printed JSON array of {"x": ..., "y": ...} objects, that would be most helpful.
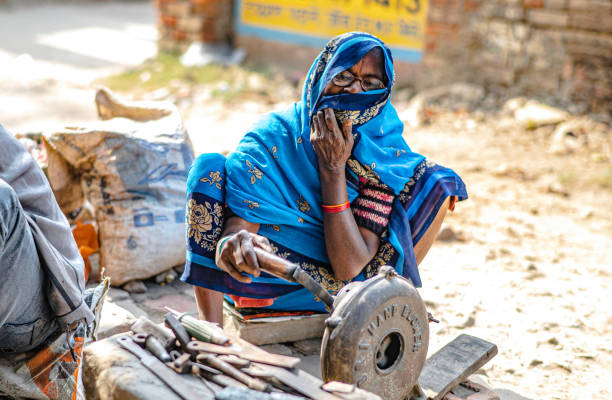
[{"x": 399, "y": 23}]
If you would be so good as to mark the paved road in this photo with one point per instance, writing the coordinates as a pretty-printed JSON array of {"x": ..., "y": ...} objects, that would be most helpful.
[{"x": 50, "y": 56}]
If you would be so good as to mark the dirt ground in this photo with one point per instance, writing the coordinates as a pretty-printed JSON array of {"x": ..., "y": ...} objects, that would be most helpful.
[{"x": 531, "y": 271}]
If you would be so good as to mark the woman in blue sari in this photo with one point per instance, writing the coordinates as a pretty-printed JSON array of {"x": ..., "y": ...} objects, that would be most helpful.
[{"x": 329, "y": 184}]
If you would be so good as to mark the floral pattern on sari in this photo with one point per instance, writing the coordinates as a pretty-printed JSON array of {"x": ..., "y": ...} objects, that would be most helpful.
[
  {"x": 214, "y": 178},
  {"x": 204, "y": 223}
]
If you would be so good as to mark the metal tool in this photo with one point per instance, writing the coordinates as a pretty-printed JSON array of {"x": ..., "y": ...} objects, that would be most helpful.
[
  {"x": 377, "y": 333},
  {"x": 166, "y": 375},
  {"x": 236, "y": 361},
  {"x": 251, "y": 383},
  {"x": 179, "y": 330},
  {"x": 154, "y": 346},
  {"x": 216, "y": 377},
  {"x": 181, "y": 364},
  {"x": 163, "y": 334},
  {"x": 244, "y": 352},
  {"x": 201, "y": 330},
  {"x": 296, "y": 379}
]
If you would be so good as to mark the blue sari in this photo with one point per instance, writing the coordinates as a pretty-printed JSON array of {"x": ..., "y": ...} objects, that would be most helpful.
[{"x": 272, "y": 179}]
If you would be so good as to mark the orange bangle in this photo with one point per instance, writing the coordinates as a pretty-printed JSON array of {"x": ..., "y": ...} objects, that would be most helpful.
[{"x": 336, "y": 208}]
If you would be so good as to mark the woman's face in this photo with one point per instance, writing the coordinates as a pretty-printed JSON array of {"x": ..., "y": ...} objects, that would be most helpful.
[{"x": 367, "y": 74}]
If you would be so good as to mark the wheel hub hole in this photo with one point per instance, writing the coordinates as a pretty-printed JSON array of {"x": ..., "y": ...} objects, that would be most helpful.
[{"x": 389, "y": 351}]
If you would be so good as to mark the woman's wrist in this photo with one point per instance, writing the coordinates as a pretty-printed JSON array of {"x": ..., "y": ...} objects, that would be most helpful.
[
  {"x": 332, "y": 174},
  {"x": 220, "y": 243}
]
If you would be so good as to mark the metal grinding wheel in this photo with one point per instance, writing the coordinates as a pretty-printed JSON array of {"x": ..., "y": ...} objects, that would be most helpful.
[
  {"x": 377, "y": 336},
  {"x": 377, "y": 333}
]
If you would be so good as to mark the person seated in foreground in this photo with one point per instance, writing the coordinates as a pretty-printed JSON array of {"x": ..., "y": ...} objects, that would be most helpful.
[
  {"x": 41, "y": 290},
  {"x": 328, "y": 184},
  {"x": 46, "y": 314}
]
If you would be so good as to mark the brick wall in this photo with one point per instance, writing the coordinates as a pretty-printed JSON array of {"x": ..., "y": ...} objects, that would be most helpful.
[
  {"x": 181, "y": 22},
  {"x": 560, "y": 49}
]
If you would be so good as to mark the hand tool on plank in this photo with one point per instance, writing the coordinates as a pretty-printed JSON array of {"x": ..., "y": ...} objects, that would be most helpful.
[
  {"x": 201, "y": 330},
  {"x": 165, "y": 374},
  {"x": 182, "y": 364},
  {"x": 179, "y": 330},
  {"x": 296, "y": 379},
  {"x": 252, "y": 383},
  {"x": 163, "y": 334},
  {"x": 235, "y": 361},
  {"x": 244, "y": 352},
  {"x": 154, "y": 346},
  {"x": 219, "y": 379}
]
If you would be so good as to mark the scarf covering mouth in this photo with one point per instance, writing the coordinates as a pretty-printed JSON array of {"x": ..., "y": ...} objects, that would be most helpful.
[{"x": 272, "y": 179}]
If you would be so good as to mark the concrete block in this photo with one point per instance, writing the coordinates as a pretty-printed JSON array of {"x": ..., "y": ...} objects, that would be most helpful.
[
  {"x": 548, "y": 17},
  {"x": 114, "y": 320}
]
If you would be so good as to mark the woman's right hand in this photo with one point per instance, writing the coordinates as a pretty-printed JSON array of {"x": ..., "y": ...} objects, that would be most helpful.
[
  {"x": 237, "y": 256},
  {"x": 332, "y": 144}
]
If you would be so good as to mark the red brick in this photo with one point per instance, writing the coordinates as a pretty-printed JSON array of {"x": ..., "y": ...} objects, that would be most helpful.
[
  {"x": 179, "y": 35},
  {"x": 533, "y": 3},
  {"x": 471, "y": 5},
  {"x": 212, "y": 9},
  {"x": 168, "y": 21}
]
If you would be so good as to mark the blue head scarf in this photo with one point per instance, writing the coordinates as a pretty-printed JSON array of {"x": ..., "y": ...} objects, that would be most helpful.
[{"x": 272, "y": 177}]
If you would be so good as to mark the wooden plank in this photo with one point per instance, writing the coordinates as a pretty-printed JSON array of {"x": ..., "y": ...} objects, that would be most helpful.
[
  {"x": 453, "y": 363},
  {"x": 279, "y": 331}
]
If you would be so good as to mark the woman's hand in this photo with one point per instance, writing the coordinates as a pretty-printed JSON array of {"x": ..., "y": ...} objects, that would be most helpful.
[
  {"x": 332, "y": 145},
  {"x": 237, "y": 256}
]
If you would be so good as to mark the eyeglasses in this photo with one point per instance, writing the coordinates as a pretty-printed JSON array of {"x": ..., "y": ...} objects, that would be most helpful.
[{"x": 345, "y": 78}]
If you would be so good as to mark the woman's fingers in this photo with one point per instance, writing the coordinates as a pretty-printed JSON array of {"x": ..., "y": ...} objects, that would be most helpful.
[
  {"x": 240, "y": 247},
  {"x": 226, "y": 265},
  {"x": 238, "y": 256},
  {"x": 347, "y": 130},
  {"x": 321, "y": 125},
  {"x": 330, "y": 121},
  {"x": 263, "y": 242},
  {"x": 248, "y": 253}
]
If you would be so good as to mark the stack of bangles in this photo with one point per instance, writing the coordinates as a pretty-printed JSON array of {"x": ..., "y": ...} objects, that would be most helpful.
[
  {"x": 220, "y": 244},
  {"x": 336, "y": 208}
]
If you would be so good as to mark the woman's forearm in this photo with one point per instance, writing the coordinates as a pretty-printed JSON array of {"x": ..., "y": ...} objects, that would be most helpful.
[{"x": 347, "y": 249}]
